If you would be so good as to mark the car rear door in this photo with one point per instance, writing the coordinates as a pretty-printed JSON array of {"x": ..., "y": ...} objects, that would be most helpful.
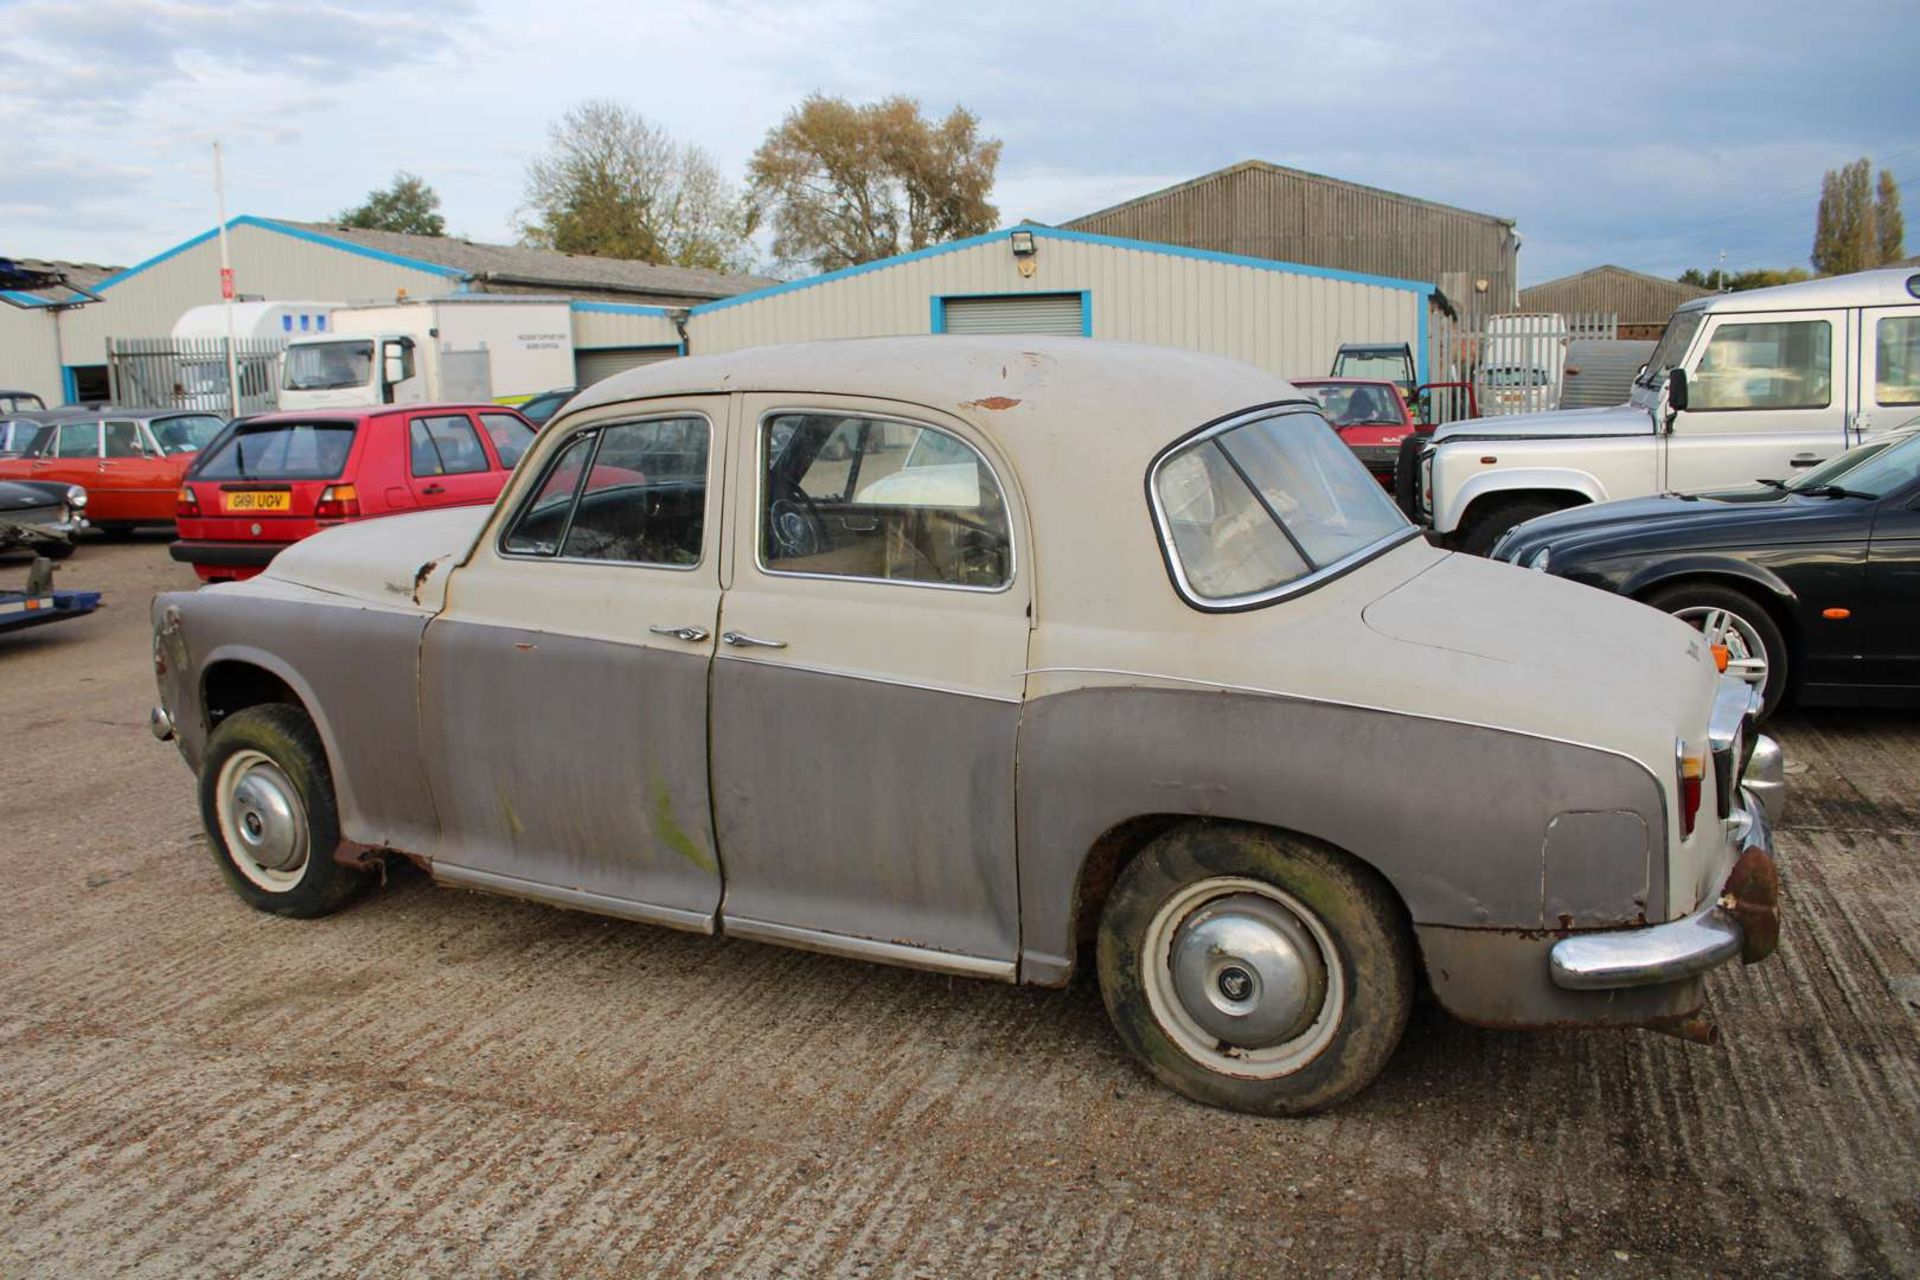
[
  {"x": 867, "y": 691},
  {"x": 446, "y": 464},
  {"x": 73, "y": 457},
  {"x": 564, "y": 685},
  {"x": 1766, "y": 396},
  {"x": 1888, "y": 365}
]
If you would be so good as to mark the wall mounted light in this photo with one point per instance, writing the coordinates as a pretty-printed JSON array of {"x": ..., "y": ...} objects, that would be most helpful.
[{"x": 1022, "y": 243}]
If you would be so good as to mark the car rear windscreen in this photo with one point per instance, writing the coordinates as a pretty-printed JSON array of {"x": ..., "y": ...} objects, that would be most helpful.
[{"x": 279, "y": 451}]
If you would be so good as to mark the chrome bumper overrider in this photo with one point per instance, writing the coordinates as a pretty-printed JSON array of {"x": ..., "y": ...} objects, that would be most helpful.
[{"x": 1742, "y": 921}]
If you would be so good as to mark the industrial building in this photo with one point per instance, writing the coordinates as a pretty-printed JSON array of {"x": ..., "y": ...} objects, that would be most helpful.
[
  {"x": 623, "y": 312},
  {"x": 1285, "y": 317},
  {"x": 1260, "y": 210},
  {"x": 1641, "y": 302}
]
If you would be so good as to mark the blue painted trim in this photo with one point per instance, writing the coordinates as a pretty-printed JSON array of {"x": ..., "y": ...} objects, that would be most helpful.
[
  {"x": 1083, "y": 237},
  {"x": 280, "y": 228},
  {"x": 69, "y": 385},
  {"x": 620, "y": 308},
  {"x": 683, "y": 346},
  {"x": 938, "y": 319},
  {"x": 29, "y": 300}
]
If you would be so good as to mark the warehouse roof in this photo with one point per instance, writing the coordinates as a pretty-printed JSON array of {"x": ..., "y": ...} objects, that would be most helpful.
[
  {"x": 1316, "y": 179},
  {"x": 79, "y": 275},
  {"x": 1636, "y": 297}
]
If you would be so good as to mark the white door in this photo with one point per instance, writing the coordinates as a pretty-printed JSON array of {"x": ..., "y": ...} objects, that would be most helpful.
[
  {"x": 1766, "y": 397},
  {"x": 1889, "y": 370},
  {"x": 867, "y": 690}
]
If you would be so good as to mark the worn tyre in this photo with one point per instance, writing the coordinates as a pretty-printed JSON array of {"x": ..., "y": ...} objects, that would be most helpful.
[
  {"x": 266, "y": 799},
  {"x": 1757, "y": 651},
  {"x": 1486, "y": 528},
  {"x": 54, "y": 550},
  {"x": 1256, "y": 970}
]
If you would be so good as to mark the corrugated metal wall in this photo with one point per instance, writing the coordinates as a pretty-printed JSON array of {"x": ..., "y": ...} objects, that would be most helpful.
[
  {"x": 1269, "y": 212},
  {"x": 1285, "y": 322},
  {"x": 595, "y": 327},
  {"x": 1635, "y": 298},
  {"x": 28, "y": 353},
  {"x": 266, "y": 263}
]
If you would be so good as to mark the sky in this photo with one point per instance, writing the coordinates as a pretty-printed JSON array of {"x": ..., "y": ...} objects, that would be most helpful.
[{"x": 1653, "y": 135}]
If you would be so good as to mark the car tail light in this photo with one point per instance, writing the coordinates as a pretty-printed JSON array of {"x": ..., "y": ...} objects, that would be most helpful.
[
  {"x": 184, "y": 503},
  {"x": 1692, "y": 770},
  {"x": 337, "y": 502}
]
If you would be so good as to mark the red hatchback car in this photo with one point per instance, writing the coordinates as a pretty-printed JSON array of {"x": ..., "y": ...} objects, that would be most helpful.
[
  {"x": 1370, "y": 416},
  {"x": 271, "y": 480}
]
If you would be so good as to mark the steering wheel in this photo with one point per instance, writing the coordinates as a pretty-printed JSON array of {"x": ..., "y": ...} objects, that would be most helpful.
[{"x": 794, "y": 525}]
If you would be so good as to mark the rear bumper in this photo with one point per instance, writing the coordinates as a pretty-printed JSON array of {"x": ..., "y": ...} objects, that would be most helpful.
[
  {"x": 1743, "y": 921},
  {"x": 234, "y": 555}
]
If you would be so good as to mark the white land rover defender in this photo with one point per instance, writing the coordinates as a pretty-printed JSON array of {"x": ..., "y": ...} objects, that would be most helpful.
[{"x": 1742, "y": 386}]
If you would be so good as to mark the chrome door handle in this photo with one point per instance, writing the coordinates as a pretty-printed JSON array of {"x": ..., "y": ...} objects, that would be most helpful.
[
  {"x": 741, "y": 639},
  {"x": 692, "y": 635}
]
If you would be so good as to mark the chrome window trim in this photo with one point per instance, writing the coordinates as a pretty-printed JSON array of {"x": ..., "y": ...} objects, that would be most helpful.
[
  {"x": 1317, "y": 576},
  {"x": 760, "y": 493},
  {"x": 565, "y": 443}
]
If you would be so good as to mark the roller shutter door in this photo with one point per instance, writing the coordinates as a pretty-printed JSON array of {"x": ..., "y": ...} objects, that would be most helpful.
[
  {"x": 1020, "y": 313},
  {"x": 591, "y": 366}
]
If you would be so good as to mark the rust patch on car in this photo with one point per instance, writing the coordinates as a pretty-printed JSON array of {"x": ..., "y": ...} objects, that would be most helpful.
[
  {"x": 1752, "y": 896},
  {"x": 421, "y": 575},
  {"x": 991, "y": 402},
  {"x": 524, "y": 647}
]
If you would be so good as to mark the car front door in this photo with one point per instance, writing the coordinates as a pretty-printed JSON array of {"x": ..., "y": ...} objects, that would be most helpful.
[
  {"x": 1766, "y": 396},
  {"x": 1889, "y": 370},
  {"x": 143, "y": 480},
  {"x": 1891, "y": 637},
  {"x": 866, "y": 694},
  {"x": 563, "y": 688},
  {"x": 446, "y": 465}
]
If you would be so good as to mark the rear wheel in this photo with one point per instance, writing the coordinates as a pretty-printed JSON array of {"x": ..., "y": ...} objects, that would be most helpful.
[
  {"x": 1731, "y": 619},
  {"x": 266, "y": 799},
  {"x": 1255, "y": 970},
  {"x": 1485, "y": 528}
]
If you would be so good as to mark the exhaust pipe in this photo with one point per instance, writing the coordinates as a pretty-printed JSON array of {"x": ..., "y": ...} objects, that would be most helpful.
[{"x": 1699, "y": 1029}]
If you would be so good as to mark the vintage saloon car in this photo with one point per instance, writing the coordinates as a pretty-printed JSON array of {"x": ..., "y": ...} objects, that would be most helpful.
[{"x": 976, "y": 654}]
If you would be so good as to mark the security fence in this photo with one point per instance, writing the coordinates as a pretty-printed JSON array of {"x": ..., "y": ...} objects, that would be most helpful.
[
  {"x": 191, "y": 373},
  {"x": 1504, "y": 364}
]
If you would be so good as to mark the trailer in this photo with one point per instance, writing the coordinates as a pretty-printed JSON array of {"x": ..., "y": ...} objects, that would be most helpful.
[{"x": 40, "y": 604}]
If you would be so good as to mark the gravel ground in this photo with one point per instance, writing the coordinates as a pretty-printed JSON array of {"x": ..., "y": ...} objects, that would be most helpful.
[{"x": 439, "y": 1083}]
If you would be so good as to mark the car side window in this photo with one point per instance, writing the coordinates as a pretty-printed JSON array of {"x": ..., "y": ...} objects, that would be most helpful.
[
  {"x": 509, "y": 435},
  {"x": 1896, "y": 378},
  {"x": 123, "y": 440},
  {"x": 445, "y": 446},
  {"x": 78, "y": 440},
  {"x": 1777, "y": 365},
  {"x": 634, "y": 493},
  {"x": 857, "y": 497}
]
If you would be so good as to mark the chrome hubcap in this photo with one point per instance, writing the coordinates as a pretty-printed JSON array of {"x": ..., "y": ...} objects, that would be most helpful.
[
  {"x": 1746, "y": 652},
  {"x": 1246, "y": 970},
  {"x": 263, "y": 820},
  {"x": 1243, "y": 977}
]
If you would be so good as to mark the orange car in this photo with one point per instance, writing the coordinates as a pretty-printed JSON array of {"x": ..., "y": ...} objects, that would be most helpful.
[{"x": 130, "y": 461}]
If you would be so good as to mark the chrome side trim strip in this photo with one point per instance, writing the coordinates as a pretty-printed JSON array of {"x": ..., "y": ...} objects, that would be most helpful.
[
  {"x": 780, "y": 664},
  {"x": 840, "y": 944},
  {"x": 572, "y": 899}
]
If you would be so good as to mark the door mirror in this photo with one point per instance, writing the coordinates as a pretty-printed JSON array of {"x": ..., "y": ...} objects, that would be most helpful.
[
  {"x": 1677, "y": 390},
  {"x": 396, "y": 361}
]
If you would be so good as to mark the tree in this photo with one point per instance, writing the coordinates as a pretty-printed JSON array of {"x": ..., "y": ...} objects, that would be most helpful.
[
  {"x": 1736, "y": 281},
  {"x": 614, "y": 185},
  {"x": 1855, "y": 230},
  {"x": 408, "y": 204},
  {"x": 847, "y": 184}
]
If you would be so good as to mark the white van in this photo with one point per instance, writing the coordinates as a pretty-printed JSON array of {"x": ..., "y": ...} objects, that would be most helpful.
[{"x": 1742, "y": 386}]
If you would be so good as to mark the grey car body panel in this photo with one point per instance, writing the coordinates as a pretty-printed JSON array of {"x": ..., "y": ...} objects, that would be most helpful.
[
  {"x": 928, "y": 776},
  {"x": 1501, "y": 978},
  {"x": 571, "y": 762},
  {"x": 361, "y": 694},
  {"x": 1463, "y": 839}
]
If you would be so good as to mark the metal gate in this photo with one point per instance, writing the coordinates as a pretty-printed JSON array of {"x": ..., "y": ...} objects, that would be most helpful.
[
  {"x": 1514, "y": 363},
  {"x": 191, "y": 373}
]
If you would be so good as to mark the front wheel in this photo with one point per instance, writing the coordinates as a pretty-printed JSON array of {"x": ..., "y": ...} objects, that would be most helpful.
[
  {"x": 1731, "y": 619},
  {"x": 266, "y": 799},
  {"x": 1255, "y": 970},
  {"x": 1486, "y": 528}
]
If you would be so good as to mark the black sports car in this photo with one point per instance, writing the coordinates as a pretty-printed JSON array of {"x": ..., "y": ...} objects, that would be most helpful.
[
  {"x": 41, "y": 516},
  {"x": 1812, "y": 585}
]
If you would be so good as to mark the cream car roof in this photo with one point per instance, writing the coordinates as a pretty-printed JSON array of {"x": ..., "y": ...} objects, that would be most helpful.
[{"x": 1080, "y": 421}]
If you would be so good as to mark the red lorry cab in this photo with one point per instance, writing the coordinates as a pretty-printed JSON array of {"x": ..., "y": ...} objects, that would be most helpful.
[{"x": 271, "y": 480}]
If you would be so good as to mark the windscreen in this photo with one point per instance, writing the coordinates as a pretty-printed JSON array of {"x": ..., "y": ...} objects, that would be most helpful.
[
  {"x": 1879, "y": 467},
  {"x": 1390, "y": 365},
  {"x": 1349, "y": 405},
  {"x": 327, "y": 366},
  {"x": 279, "y": 451},
  {"x": 1672, "y": 347}
]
